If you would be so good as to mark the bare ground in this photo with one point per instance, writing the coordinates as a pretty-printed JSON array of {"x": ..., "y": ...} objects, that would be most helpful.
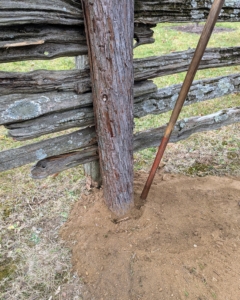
[{"x": 183, "y": 243}]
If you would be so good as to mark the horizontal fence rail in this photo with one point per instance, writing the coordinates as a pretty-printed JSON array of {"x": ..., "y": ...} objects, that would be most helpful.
[
  {"x": 78, "y": 81},
  {"x": 62, "y": 99},
  {"x": 27, "y": 42},
  {"x": 45, "y": 150},
  {"x": 36, "y": 103},
  {"x": 151, "y": 101},
  {"x": 69, "y": 12}
]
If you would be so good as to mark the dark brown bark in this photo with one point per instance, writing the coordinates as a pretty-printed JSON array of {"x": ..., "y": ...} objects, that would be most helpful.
[{"x": 109, "y": 32}]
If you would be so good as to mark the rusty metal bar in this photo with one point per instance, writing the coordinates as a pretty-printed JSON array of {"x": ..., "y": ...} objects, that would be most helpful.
[{"x": 202, "y": 44}]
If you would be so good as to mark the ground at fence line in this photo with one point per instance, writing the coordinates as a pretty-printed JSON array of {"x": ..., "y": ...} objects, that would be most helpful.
[{"x": 183, "y": 243}]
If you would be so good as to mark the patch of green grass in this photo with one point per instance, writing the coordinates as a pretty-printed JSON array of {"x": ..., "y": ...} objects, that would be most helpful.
[
  {"x": 66, "y": 63},
  {"x": 168, "y": 40}
]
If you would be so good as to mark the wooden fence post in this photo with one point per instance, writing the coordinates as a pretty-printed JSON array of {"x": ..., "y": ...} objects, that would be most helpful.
[
  {"x": 109, "y": 26},
  {"x": 91, "y": 169}
]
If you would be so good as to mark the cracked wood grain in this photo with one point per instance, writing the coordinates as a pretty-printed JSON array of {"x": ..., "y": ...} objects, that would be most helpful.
[
  {"x": 78, "y": 81},
  {"x": 149, "y": 138},
  {"x": 148, "y": 100},
  {"x": 69, "y": 12}
]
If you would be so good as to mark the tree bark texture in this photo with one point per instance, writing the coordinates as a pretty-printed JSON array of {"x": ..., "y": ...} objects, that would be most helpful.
[
  {"x": 109, "y": 31},
  {"x": 148, "y": 100},
  {"x": 91, "y": 168},
  {"x": 49, "y": 150}
]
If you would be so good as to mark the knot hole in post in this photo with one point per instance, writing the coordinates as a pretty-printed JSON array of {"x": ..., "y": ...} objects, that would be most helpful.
[{"x": 104, "y": 97}]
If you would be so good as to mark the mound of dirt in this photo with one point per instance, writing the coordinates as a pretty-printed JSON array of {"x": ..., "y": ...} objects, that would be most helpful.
[
  {"x": 183, "y": 243},
  {"x": 194, "y": 28}
]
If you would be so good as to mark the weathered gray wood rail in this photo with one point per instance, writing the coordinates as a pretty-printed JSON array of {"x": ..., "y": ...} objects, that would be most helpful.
[
  {"x": 69, "y": 12},
  {"x": 142, "y": 140},
  {"x": 40, "y": 102},
  {"x": 61, "y": 12},
  {"x": 20, "y": 107},
  {"x": 46, "y": 42},
  {"x": 176, "y": 62},
  {"x": 24, "y": 42},
  {"x": 28, "y": 34},
  {"x": 54, "y": 146},
  {"x": 85, "y": 138},
  {"x": 78, "y": 81},
  {"x": 43, "y": 81},
  {"x": 164, "y": 99},
  {"x": 148, "y": 100},
  {"x": 182, "y": 11}
]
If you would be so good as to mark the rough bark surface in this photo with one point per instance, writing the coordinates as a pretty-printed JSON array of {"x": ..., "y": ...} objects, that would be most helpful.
[
  {"x": 109, "y": 32},
  {"x": 149, "y": 138},
  {"x": 148, "y": 100}
]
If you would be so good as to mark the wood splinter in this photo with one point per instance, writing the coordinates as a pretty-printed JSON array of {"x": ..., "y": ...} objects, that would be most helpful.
[{"x": 23, "y": 44}]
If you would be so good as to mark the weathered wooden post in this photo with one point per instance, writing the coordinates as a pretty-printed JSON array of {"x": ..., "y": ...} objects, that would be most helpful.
[
  {"x": 91, "y": 169},
  {"x": 109, "y": 26}
]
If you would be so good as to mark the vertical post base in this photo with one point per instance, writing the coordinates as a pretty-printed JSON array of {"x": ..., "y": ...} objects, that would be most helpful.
[{"x": 91, "y": 169}]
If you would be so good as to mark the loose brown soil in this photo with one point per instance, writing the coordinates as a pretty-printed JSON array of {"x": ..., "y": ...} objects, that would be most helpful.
[
  {"x": 194, "y": 28},
  {"x": 183, "y": 243}
]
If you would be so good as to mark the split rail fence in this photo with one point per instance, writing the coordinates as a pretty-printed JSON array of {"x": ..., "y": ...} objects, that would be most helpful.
[{"x": 41, "y": 102}]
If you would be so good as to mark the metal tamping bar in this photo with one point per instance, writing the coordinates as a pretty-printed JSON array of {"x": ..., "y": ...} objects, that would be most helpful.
[{"x": 202, "y": 44}]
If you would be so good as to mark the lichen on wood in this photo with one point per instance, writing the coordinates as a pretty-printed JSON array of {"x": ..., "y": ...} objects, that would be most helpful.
[{"x": 145, "y": 139}]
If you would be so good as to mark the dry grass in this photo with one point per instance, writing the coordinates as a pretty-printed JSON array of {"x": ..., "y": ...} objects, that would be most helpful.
[{"x": 34, "y": 262}]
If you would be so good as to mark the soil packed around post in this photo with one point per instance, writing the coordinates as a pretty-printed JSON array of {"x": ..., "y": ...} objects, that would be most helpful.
[{"x": 183, "y": 243}]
